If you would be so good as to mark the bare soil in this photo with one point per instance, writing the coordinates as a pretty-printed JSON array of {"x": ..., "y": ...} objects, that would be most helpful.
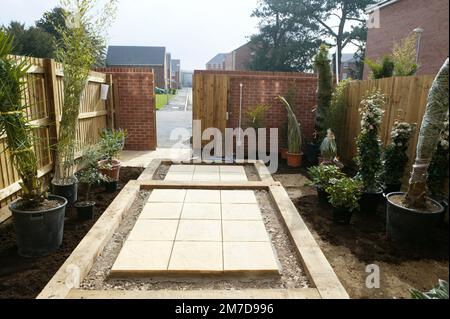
[
  {"x": 25, "y": 277},
  {"x": 349, "y": 249},
  {"x": 292, "y": 274},
  {"x": 400, "y": 200},
  {"x": 45, "y": 205}
]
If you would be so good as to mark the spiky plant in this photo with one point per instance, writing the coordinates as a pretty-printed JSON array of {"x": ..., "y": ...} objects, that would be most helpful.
[
  {"x": 15, "y": 123},
  {"x": 322, "y": 65},
  {"x": 432, "y": 125},
  {"x": 383, "y": 68},
  {"x": 328, "y": 148},
  {"x": 294, "y": 131}
]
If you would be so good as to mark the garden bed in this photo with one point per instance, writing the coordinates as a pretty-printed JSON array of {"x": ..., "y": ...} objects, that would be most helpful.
[{"x": 25, "y": 277}]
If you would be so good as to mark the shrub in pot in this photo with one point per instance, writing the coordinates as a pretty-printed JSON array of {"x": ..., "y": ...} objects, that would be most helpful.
[
  {"x": 38, "y": 218},
  {"x": 369, "y": 151},
  {"x": 111, "y": 144},
  {"x": 412, "y": 216},
  {"x": 344, "y": 195},
  {"x": 328, "y": 150},
  {"x": 321, "y": 176},
  {"x": 294, "y": 154},
  {"x": 89, "y": 176},
  {"x": 395, "y": 157}
]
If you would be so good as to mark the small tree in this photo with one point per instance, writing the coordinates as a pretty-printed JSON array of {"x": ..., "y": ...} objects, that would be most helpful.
[
  {"x": 324, "y": 90},
  {"x": 90, "y": 175},
  {"x": 404, "y": 56},
  {"x": 383, "y": 68},
  {"x": 432, "y": 125},
  {"x": 368, "y": 141},
  {"x": 336, "y": 114},
  {"x": 256, "y": 115}
]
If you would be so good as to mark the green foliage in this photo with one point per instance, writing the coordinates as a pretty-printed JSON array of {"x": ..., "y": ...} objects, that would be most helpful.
[
  {"x": 368, "y": 142},
  {"x": 404, "y": 56},
  {"x": 89, "y": 174},
  {"x": 383, "y": 68},
  {"x": 344, "y": 193},
  {"x": 294, "y": 131},
  {"x": 336, "y": 114},
  {"x": 111, "y": 143},
  {"x": 324, "y": 90},
  {"x": 322, "y": 175},
  {"x": 328, "y": 148},
  {"x": 256, "y": 115},
  {"x": 439, "y": 292},
  {"x": 394, "y": 157},
  {"x": 438, "y": 170},
  {"x": 14, "y": 122},
  {"x": 77, "y": 50}
]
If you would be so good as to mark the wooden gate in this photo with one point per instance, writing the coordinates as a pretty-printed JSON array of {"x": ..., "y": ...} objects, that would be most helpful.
[{"x": 210, "y": 100}]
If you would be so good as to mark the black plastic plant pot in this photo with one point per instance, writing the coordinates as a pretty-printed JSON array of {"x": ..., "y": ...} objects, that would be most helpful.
[
  {"x": 312, "y": 153},
  {"x": 85, "y": 210},
  {"x": 410, "y": 226},
  {"x": 370, "y": 201},
  {"x": 392, "y": 188},
  {"x": 39, "y": 233},
  {"x": 69, "y": 192},
  {"x": 444, "y": 202},
  {"x": 342, "y": 215},
  {"x": 111, "y": 187},
  {"x": 322, "y": 195}
]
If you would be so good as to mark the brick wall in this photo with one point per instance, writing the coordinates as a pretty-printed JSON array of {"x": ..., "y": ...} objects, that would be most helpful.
[
  {"x": 263, "y": 88},
  {"x": 399, "y": 19},
  {"x": 135, "y": 108}
]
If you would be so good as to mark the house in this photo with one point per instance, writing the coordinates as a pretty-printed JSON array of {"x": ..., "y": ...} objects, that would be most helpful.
[
  {"x": 349, "y": 67},
  {"x": 393, "y": 20},
  {"x": 239, "y": 59},
  {"x": 186, "y": 78},
  {"x": 176, "y": 74},
  {"x": 217, "y": 63},
  {"x": 142, "y": 56}
]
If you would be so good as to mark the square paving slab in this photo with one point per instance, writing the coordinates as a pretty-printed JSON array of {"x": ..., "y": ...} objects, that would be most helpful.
[
  {"x": 198, "y": 231},
  {"x": 205, "y": 173}
]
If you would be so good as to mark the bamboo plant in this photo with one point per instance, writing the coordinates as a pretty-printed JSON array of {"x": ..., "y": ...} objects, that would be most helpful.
[
  {"x": 432, "y": 125},
  {"x": 77, "y": 50},
  {"x": 294, "y": 131},
  {"x": 15, "y": 123}
]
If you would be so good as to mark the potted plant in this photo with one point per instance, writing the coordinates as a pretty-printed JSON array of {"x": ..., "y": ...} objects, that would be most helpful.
[
  {"x": 89, "y": 175},
  {"x": 395, "y": 157},
  {"x": 328, "y": 149},
  {"x": 344, "y": 196},
  {"x": 438, "y": 171},
  {"x": 294, "y": 154},
  {"x": 321, "y": 177},
  {"x": 369, "y": 151},
  {"x": 256, "y": 118},
  {"x": 78, "y": 45},
  {"x": 111, "y": 144},
  {"x": 38, "y": 218},
  {"x": 412, "y": 216}
]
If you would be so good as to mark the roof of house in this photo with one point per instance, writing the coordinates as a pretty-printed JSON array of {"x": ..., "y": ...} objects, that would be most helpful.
[
  {"x": 135, "y": 55},
  {"x": 348, "y": 57},
  {"x": 379, "y": 5},
  {"x": 220, "y": 58},
  {"x": 175, "y": 64}
]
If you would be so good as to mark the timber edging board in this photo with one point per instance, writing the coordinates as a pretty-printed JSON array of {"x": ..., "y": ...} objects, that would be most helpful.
[{"x": 325, "y": 283}]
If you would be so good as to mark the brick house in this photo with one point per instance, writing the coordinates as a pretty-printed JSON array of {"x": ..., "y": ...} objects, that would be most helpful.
[
  {"x": 239, "y": 59},
  {"x": 217, "y": 63},
  {"x": 176, "y": 74},
  {"x": 155, "y": 58},
  {"x": 393, "y": 20},
  {"x": 349, "y": 68}
]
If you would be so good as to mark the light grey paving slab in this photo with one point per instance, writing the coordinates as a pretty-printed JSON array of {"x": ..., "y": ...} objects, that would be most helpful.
[
  {"x": 198, "y": 257},
  {"x": 238, "y": 197},
  {"x": 199, "y": 230},
  {"x": 244, "y": 230},
  {"x": 201, "y": 211},
  {"x": 202, "y": 196},
  {"x": 241, "y": 212},
  {"x": 154, "y": 229},
  {"x": 161, "y": 211},
  {"x": 167, "y": 195}
]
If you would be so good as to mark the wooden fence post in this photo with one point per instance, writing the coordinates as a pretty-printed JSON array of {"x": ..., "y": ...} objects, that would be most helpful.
[
  {"x": 110, "y": 103},
  {"x": 52, "y": 109}
]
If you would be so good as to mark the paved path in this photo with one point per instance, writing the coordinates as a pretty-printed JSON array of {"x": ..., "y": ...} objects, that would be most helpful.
[{"x": 176, "y": 115}]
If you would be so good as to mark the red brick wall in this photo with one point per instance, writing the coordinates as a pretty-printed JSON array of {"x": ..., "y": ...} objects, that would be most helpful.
[
  {"x": 135, "y": 108},
  {"x": 399, "y": 19},
  {"x": 263, "y": 88}
]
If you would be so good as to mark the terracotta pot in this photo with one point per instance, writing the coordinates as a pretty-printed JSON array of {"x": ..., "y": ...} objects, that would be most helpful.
[
  {"x": 283, "y": 152},
  {"x": 294, "y": 160},
  {"x": 112, "y": 173}
]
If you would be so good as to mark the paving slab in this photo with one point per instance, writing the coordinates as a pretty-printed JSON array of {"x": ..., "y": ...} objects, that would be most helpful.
[
  {"x": 241, "y": 212},
  {"x": 199, "y": 230},
  {"x": 154, "y": 229},
  {"x": 198, "y": 257},
  {"x": 202, "y": 196},
  {"x": 244, "y": 230},
  {"x": 167, "y": 195},
  {"x": 161, "y": 211},
  {"x": 244, "y": 257},
  {"x": 238, "y": 197},
  {"x": 201, "y": 211}
]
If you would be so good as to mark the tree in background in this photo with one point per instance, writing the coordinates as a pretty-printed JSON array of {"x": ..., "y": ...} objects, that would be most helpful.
[{"x": 322, "y": 65}]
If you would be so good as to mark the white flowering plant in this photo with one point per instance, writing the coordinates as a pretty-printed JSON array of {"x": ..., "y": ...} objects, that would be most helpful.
[
  {"x": 395, "y": 157},
  {"x": 368, "y": 142}
]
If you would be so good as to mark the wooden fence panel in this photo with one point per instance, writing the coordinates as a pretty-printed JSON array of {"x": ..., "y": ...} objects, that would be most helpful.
[
  {"x": 406, "y": 101},
  {"x": 44, "y": 97}
]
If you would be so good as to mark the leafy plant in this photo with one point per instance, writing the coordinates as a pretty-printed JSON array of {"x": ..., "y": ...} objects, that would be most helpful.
[
  {"x": 368, "y": 142},
  {"x": 294, "y": 131},
  {"x": 322, "y": 175},
  {"x": 89, "y": 174},
  {"x": 432, "y": 125},
  {"x": 336, "y": 114},
  {"x": 395, "y": 158},
  {"x": 404, "y": 56},
  {"x": 383, "y": 68},
  {"x": 439, "y": 292},
  {"x": 77, "y": 49},
  {"x": 324, "y": 91},
  {"x": 256, "y": 115},
  {"x": 328, "y": 148},
  {"x": 111, "y": 143},
  {"x": 14, "y": 122},
  {"x": 344, "y": 193},
  {"x": 438, "y": 169}
]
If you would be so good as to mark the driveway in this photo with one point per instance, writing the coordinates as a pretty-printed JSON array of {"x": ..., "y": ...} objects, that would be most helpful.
[{"x": 176, "y": 115}]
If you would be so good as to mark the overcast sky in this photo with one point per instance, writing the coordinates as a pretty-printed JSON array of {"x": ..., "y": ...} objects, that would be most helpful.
[{"x": 192, "y": 30}]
